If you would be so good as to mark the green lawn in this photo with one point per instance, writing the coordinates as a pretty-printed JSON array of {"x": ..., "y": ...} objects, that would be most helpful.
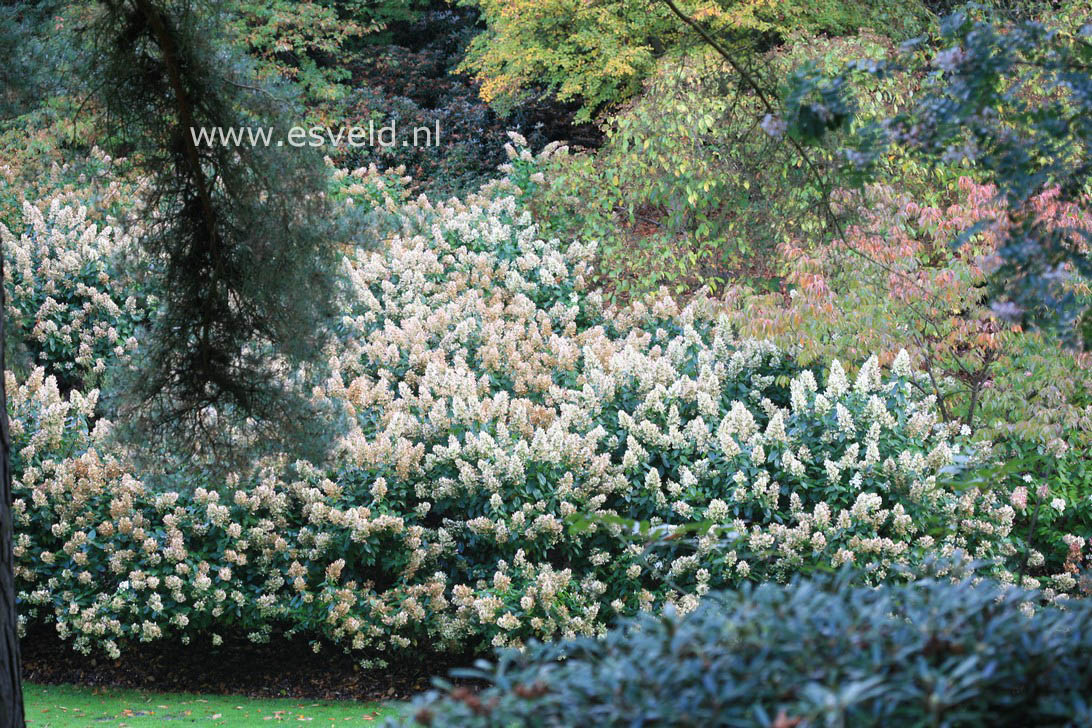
[{"x": 69, "y": 706}]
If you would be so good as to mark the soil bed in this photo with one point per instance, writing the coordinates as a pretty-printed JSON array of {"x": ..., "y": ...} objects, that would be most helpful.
[{"x": 284, "y": 668}]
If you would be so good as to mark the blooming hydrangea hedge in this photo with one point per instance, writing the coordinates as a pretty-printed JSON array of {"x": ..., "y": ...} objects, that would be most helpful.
[{"x": 506, "y": 433}]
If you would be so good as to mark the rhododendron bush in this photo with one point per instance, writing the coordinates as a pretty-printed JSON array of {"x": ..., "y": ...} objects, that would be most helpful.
[{"x": 519, "y": 461}]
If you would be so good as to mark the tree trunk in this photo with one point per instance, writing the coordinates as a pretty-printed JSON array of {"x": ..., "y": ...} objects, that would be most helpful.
[{"x": 11, "y": 687}]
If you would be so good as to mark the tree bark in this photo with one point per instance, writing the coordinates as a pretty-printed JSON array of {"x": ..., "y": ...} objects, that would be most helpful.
[{"x": 11, "y": 687}]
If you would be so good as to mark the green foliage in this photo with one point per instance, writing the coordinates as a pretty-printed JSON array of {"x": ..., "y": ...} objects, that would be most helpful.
[
  {"x": 1041, "y": 393},
  {"x": 296, "y": 40},
  {"x": 377, "y": 15},
  {"x": 821, "y": 652},
  {"x": 689, "y": 192},
  {"x": 307, "y": 41},
  {"x": 599, "y": 53}
]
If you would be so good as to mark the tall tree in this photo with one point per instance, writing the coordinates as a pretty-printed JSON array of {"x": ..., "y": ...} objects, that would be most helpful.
[
  {"x": 11, "y": 689},
  {"x": 241, "y": 232},
  {"x": 22, "y": 51}
]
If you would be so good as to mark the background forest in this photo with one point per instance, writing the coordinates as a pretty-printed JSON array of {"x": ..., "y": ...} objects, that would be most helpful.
[{"x": 746, "y": 333}]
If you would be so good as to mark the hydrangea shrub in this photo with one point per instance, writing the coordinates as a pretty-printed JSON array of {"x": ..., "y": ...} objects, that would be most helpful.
[{"x": 520, "y": 462}]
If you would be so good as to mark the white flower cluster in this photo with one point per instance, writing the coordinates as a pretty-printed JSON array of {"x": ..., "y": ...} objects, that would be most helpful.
[{"x": 63, "y": 301}]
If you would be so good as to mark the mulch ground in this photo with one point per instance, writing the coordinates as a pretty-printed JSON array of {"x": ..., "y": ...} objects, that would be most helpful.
[{"x": 285, "y": 668}]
